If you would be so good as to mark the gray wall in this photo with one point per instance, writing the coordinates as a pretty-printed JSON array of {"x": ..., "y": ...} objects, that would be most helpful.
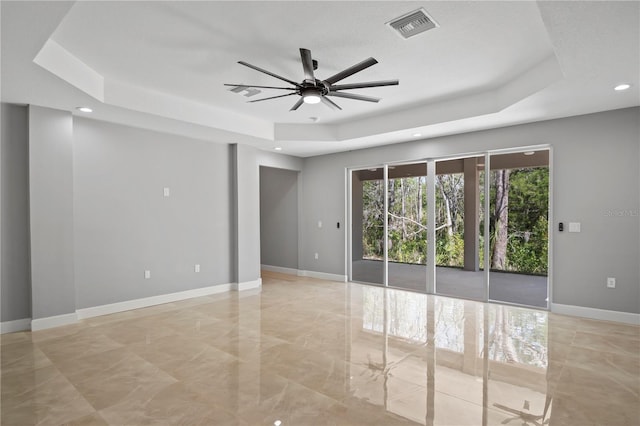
[
  {"x": 247, "y": 161},
  {"x": 323, "y": 198},
  {"x": 15, "y": 290},
  {"x": 99, "y": 218},
  {"x": 51, "y": 212},
  {"x": 596, "y": 182},
  {"x": 279, "y": 217},
  {"x": 124, "y": 225},
  {"x": 247, "y": 208}
]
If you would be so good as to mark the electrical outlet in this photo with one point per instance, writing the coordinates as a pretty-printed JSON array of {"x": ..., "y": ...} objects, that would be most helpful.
[
  {"x": 166, "y": 192},
  {"x": 196, "y": 268},
  {"x": 611, "y": 282},
  {"x": 147, "y": 274},
  {"x": 316, "y": 256}
]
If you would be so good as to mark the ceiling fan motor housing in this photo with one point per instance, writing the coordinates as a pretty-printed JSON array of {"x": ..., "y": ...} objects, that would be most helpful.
[{"x": 320, "y": 88}]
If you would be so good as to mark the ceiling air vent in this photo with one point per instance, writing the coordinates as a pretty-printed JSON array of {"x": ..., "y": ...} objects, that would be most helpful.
[{"x": 413, "y": 23}]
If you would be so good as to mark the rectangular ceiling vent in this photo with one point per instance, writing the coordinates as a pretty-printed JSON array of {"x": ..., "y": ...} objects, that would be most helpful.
[{"x": 413, "y": 23}]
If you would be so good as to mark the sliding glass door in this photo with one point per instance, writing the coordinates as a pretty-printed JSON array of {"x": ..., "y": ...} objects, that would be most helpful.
[
  {"x": 367, "y": 225},
  {"x": 458, "y": 224},
  {"x": 407, "y": 226},
  {"x": 519, "y": 225},
  {"x": 449, "y": 227},
  {"x": 389, "y": 219}
]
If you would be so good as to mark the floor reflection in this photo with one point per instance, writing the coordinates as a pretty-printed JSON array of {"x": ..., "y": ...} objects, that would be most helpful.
[
  {"x": 312, "y": 352},
  {"x": 438, "y": 366}
]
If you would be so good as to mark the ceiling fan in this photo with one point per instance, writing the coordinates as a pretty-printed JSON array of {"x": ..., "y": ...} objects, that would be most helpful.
[{"x": 313, "y": 90}]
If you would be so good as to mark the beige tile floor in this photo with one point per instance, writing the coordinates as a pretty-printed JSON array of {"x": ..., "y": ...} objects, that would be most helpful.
[{"x": 311, "y": 352}]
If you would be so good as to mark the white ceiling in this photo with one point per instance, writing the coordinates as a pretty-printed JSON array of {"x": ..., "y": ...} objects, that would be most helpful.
[{"x": 161, "y": 65}]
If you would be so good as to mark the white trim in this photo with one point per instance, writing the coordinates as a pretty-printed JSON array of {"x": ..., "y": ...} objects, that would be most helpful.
[
  {"x": 145, "y": 302},
  {"x": 385, "y": 226},
  {"x": 487, "y": 225},
  {"x": 23, "y": 324},
  {"x": 430, "y": 270},
  {"x": 248, "y": 285},
  {"x": 550, "y": 229},
  {"x": 280, "y": 269},
  {"x": 127, "y": 305},
  {"x": 54, "y": 321},
  {"x": 323, "y": 276},
  {"x": 302, "y": 273},
  {"x": 594, "y": 313},
  {"x": 346, "y": 224}
]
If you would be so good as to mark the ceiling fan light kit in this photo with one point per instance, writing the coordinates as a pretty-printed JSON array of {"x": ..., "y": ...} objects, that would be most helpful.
[
  {"x": 314, "y": 91},
  {"x": 311, "y": 96}
]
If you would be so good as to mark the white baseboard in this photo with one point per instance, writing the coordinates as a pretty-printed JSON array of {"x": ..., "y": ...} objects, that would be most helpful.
[
  {"x": 280, "y": 269},
  {"x": 323, "y": 276},
  {"x": 145, "y": 302},
  {"x": 127, "y": 305},
  {"x": 23, "y": 324},
  {"x": 301, "y": 273},
  {"x": 54, "y": 321},
  {"x": 248, "y": 285},
  {"x": 594, "y": 313}
]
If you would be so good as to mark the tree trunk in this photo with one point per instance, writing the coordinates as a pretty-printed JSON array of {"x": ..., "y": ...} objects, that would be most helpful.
[
  {"x": 419, "y": 200},
  {"x": 447, "y": 207},
  {"x": 403, "y": 213},
  {"x": 501, "y": 219}
]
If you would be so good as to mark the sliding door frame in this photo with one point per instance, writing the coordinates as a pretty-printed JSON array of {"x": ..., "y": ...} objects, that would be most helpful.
[{"x": 430, "y": 272}]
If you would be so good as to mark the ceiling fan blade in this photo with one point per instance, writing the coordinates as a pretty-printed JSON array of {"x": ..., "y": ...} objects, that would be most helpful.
[
  {"x": 268, "y": 73},
  {"x": 260, "y": 87},
  {"x": 353, "y": 96},
  {"x": 272, "y": 97},
  {"x": 364, "y": 85},
  {"x": 351, "y": 70},
  {"x": 307, "y": 65},
  {"x": 328, "y": 102},
  {"x": 297, "y": 104}
]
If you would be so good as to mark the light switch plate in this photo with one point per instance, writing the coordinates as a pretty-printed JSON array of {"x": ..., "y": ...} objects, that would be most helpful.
[
  {"x": 166, "y": 192},
  {"x": 574, "y": 226}
]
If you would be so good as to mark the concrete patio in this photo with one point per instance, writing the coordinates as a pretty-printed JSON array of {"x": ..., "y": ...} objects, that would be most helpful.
[{"x": 529, "y": 290}]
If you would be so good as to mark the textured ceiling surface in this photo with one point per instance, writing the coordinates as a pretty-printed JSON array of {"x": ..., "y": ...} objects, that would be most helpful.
[{"x": 162, "y": 65}]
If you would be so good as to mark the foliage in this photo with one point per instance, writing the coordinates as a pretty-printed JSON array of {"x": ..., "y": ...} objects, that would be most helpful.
[
  {"x": 450, "y": 250},
  {"x": 529, "y": 256},
  {"x": 527, "y": 239}
]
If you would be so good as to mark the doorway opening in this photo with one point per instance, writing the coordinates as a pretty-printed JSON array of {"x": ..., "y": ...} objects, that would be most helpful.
[{"x": 279, "y": 220}]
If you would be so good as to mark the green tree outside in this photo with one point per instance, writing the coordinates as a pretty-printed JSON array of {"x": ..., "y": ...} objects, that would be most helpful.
[{"x": 527, "y": 228}]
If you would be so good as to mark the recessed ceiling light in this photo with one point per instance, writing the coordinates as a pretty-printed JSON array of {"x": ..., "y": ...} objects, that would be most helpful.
[
  {"x": 417, "y": 135},
  {"x": 278, "y": 148},
  {"x": 529, "y": 153},
  {"x": 620, "y": 87},
  {"x": 84, "y": 109}
]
